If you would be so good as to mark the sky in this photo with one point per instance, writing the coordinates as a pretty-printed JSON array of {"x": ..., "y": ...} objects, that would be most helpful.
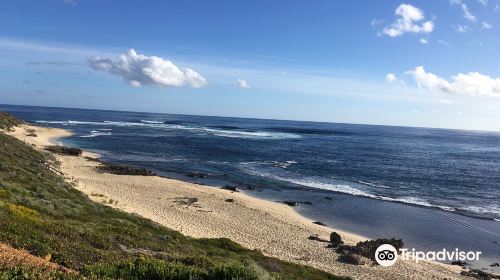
[{"x": 411, "y": 63}]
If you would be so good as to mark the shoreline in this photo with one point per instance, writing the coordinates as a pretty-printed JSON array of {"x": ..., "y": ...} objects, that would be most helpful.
[{"x": 273, "y": 228}]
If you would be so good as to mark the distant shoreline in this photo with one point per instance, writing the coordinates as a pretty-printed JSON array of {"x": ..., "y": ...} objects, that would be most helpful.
[{"x": 273, "y": 228}]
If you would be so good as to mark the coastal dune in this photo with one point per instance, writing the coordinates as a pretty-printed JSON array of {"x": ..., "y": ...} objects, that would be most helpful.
[{"x": 203, "y": 211}]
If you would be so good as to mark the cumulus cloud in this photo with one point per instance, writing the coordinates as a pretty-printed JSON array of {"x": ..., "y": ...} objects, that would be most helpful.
[
  {"x": 390, "y": 77},
  {"x": 472, "y": 83},
  {"x": 467, "y": 14},
  {"x": 410, "y": 20},
  {"x": 138, "y": 70},
  {"x": 243, "y": 83},
  {"x": 424, "y": 41},
  {"x": 487, "y": 25}
]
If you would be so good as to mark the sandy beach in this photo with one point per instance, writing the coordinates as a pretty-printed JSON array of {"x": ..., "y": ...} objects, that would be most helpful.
[{"x": 202, "y": 211}]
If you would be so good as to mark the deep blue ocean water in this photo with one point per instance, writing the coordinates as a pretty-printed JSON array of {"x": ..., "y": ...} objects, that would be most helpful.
[{"x": 424, "y": 183}]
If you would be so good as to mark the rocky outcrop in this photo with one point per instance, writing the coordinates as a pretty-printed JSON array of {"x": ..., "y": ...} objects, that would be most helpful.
[
  {"x": 66, "y": 151},
  {"x": 119, "y": 169},
  {"x": 367, "y": 248}
]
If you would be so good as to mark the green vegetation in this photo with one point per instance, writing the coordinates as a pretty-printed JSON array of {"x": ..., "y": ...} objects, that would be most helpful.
[
  {"x": 45, "y": 215},
  {"x": 7, "y": 121}
]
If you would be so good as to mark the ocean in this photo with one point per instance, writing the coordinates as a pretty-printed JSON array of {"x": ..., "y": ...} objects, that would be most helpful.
[{"x": 434, "y": 188}]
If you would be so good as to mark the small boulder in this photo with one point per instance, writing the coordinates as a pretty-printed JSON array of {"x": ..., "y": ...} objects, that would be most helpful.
[
  {"x": 335, "y": 240},
  {"x": 478, "y": 274},
  {"x": 230, "y": 188},
  {"x": 229, "y": 200},
  {"x": 319, "y": 223},
  {"x": 349, "y": 259},
  {"x": 495, "y": 265},
  {"x": 196, "y": 175},
  {"x": 459, "y": 263},
  {"x": 291, "y": 203},
  {"x": 316, "y": 237}
]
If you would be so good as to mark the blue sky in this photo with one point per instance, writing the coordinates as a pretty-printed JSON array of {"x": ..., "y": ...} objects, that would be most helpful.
[{"x": 415, "y": 63}]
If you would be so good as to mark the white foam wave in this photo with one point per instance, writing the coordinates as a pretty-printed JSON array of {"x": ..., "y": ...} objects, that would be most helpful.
[
  {"x": 160, "y": 125},
  {"x": 252, "y": 168},
  {"x": 95, "y": 133},
  {"x": 148, "y": 121},
  {"x": 488, "y": 209},
  {"x": 284, "y": 164},
  {"x": 374, "y": 185}
]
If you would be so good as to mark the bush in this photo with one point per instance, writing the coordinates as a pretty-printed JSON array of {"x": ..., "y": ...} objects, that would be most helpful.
[
  {"x": 147, "y": 268},
  {"x": 8, "y": 121}
]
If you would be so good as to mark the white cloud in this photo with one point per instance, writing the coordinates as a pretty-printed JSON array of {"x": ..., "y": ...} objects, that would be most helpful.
[
  {"x": 390, "y": 77},
  {"x": 445, "y": 101},
  {"x": 483, "y": 2},
  {"x": 243, "y": 83},
  {"x": 410, "y": 17},
  {"x": 376, "y": 22},
  {"x": 461, "y": 28},
  {"x": 424, "y": 41},
  {"x": 487, "y": 25},
  {"x": 467, "y": 14},
  {"x": 443, "y": 42},
  {"x": 472, "y": 83},
  {"x": 139, "y": 70}
]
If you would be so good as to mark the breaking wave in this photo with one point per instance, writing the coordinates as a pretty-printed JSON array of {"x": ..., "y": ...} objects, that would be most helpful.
[{"x": 198, "y": 129}]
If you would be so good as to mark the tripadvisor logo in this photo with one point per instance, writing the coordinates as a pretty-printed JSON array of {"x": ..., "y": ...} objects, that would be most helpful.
[{"x": 387, "y": 255}]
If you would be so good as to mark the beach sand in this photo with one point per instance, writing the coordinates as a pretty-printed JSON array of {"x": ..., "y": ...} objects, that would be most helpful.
[{"x": 271, "y": 227}]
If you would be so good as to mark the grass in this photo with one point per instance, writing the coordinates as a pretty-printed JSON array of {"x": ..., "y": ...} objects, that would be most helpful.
[
  {"x": 7, "y": 121},
  {"x": 45, "y": 215}
]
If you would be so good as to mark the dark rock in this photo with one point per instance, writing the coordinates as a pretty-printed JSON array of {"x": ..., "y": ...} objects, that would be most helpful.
[
  {"x": 189, "y": 201},
  {"x": 31, "y": 135},
  {"x": 291, "y": 203},
  {"x": 459, "y": 263},
  {"x": 61, "y": 150},
  {"x": 229, "y": 200},
  {"x": 495, "y": 265},
  {"x": 196, "y": 175},
  {"x": 251, "y": 187},
  {"x": 335, "y": 240},
  {"x": 478, "y": 274},
  {"x": 119, "y": 169},
  {"x": 367, "y": 248},
  {"x": 328, "y": 198},
  {"x": 93, "y": 159},
  {"x": 319, "y": 223},
  {"x": 307, "y": 202},
  {"x": 230, "y": 188},
  {"x": 349, "y": 259},
  {"x": 316, "y": 237}
]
